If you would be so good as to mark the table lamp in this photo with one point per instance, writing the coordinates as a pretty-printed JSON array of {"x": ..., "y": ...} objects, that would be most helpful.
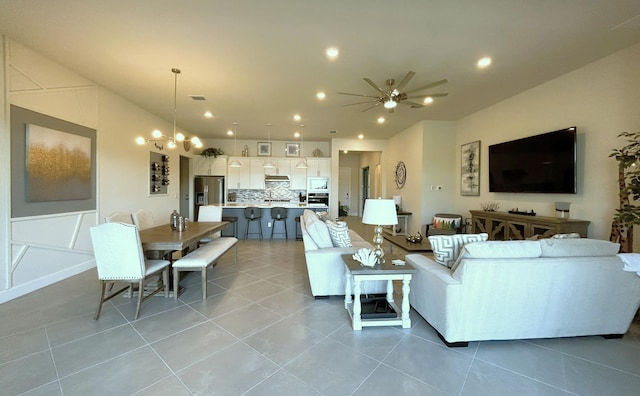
[{"x": 379, "y": 212}]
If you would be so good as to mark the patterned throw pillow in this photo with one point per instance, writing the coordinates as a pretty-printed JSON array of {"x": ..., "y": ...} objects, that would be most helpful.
[
  {"x": 446, "y": 223},
  {"x": 339, "y": 232},
  {"x": 446, "y": 248}
]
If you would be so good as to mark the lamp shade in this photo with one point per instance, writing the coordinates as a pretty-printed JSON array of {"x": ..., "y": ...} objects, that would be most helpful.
[{"x": 379, "y": 212}]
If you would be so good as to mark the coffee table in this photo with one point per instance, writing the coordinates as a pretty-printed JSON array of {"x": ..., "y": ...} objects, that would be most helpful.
[
  {"x": 401, "y": 242},
  {"x": 356, "y": 273}
]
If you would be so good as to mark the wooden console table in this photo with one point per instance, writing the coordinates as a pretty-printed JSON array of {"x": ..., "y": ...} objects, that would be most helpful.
[{"x": 506, "y": 226}]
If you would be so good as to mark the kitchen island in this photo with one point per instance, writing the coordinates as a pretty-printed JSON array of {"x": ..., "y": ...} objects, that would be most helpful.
[{"x": 236, "y": 209}]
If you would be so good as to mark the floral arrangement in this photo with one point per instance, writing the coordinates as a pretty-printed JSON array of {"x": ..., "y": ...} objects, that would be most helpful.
[
  {"x": 211, "y": 152},
  {"x": 490, "y": 206}
]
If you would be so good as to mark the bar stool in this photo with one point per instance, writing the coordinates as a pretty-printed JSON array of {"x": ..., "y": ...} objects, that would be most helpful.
[
  {"x": 298, "y": 229},
  {"x": 253, "y": 214},
  {"x": 279, "y": 213}
]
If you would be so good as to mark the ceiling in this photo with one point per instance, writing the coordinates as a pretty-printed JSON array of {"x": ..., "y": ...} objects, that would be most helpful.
[{"x": 259, "y": 62}]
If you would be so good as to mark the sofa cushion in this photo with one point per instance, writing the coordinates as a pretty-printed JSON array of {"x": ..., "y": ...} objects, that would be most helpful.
[
  {"x": 446, "y": 223},
  {"x": 446, "y": 248},
  {"x": 503, "y": 249},
  {"x": 318, "y": 232},
  {"x": 339, "y": 233},
  {"x": 581, "y": 247}
]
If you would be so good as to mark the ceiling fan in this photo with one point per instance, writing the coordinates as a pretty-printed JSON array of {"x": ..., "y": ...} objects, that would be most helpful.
[{"x": 391, "y": 94}]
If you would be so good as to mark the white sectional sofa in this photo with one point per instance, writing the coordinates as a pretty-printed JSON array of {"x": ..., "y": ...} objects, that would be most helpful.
[
  {"x": 325, "y": 267},
  {"x": 501, "y": 290}
]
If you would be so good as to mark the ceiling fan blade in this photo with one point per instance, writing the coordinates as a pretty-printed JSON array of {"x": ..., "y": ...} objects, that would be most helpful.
[
  {"x": 412, "y": 104},
  {"x": 437, "y": 95},
  {"x": 368, "y": 81},
  {"x": 405, "y": 80},
  {"x": 359, "y": 103},
  {"x": 352, "y": 94},
  {"x": 371, "y": 107},
  {"x": 432, "y": 85}
]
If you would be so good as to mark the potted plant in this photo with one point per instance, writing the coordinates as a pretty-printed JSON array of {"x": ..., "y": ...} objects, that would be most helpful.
[
  {"x": 211, "y": 152},
  {"x": 343, "y": 210},
  {"x": 627, "y": 215}
]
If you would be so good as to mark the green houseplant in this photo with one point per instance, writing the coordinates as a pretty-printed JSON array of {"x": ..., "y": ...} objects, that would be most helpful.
[
  {"x": 211, "y": 152},
  {"x": 628, "y": 214}
]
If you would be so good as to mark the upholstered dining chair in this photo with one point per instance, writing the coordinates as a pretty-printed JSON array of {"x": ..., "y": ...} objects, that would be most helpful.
[
  {"x": 120, "y": 217},
  {"x": 445, "y": 224},
  {"x": 210, "y": 213},
  {"x": 143, "y": 219},
  {"x": 119, "y": 258}
]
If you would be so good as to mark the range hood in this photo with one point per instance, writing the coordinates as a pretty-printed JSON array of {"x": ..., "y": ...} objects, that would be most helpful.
[{"x": 276, "y": 178}]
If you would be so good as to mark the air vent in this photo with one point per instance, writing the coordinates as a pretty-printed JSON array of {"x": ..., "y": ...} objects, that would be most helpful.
[
  {"x": 197, "y": 97},
  {"x": 333, "y": 131}
]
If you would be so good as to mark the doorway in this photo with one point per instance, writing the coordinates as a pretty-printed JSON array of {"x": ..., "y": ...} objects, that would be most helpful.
[
  {"x": 344, "y": 191},
  {"x": 185, "y": 163},
  {"x": 366, "y": 186}
]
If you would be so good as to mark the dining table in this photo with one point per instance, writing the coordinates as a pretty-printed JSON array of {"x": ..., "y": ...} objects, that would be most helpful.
[{"x": 163, "y": 238}]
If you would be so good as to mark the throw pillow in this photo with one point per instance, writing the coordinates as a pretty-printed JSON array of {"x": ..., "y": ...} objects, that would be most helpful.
[
  {"x": 318, "y": 232},
  {"x": 446, "y": 223},
  {"x": 324, "y": 216},
  {"x": 446, "y": 248},
  {"x": 339, "y": 232}
]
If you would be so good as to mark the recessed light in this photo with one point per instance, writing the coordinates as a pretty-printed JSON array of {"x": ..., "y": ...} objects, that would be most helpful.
[
  {"x": 360, "y": 136},
  {"x": 345, "y": 151},
  {"x": 484, "y": 62},
  {"x": 428, "y": 100},
  {"x": 321, "y": 95},
  {"x": 230, "y": 132},
  {"x": 297, "y": 117},
  {"x": 332, "y": 52},
  {"x": 296, "y": 135},
  {"x": 381, "y": 120},
  {"x": 208, "y": 114}
]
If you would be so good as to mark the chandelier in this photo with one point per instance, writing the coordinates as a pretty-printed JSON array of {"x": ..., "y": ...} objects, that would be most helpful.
[
  {"x": 159, "y": 138},
  {"x": 268, "y": 163},
  {"x": 303, "y": 161}
]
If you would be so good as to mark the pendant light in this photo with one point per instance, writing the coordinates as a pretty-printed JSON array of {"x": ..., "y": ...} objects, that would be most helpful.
[
  {"x": 234, "y": 162},
  {"x": 157, "y": 136},
  {"x": 303, "y": 161},
  {"x": 268, "y": 163}
]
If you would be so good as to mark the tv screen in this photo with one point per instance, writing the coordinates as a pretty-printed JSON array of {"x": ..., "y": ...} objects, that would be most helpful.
[{"x": 543, "y": 163}]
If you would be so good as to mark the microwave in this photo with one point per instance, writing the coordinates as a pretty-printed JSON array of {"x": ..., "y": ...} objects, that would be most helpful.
[{"x": 318, "y": 184}]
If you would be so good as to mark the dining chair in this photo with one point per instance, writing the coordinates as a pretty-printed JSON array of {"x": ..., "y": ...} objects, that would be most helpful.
[
  {"x": 143, "y": 218},
  {"x": 119, "y": 258},
  {"x": 120, "y": 217},
  {"x": 210, "y": 213}
]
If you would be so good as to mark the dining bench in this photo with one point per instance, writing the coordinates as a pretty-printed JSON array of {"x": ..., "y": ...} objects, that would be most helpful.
[{"x": 201, "y": 258}]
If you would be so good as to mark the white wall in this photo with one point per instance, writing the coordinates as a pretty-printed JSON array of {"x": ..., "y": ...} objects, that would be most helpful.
[
  {"x": 41, "y": 250},
  {"x": 602, "y": 99}
]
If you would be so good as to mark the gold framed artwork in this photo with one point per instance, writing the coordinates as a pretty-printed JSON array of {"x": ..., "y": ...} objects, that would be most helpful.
[
  {"x": 470, "y": 169},
  {"x": 292, "y": 149}
]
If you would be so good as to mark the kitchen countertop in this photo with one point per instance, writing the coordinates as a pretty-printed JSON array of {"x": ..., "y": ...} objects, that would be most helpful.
[{"x": 242, "y": 205}]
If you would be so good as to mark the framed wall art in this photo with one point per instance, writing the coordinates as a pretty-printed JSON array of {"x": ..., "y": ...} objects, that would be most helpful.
[
  {"x": 53, "y": 165},
  {"x": 470, "y": 169},
  {"x": 292, "y": 149},
  {"x": 264, "y": 149}
]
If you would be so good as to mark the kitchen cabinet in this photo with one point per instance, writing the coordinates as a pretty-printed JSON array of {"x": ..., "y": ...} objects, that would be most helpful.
[
  {"x": 209, "y": 166},
  {"x": 319, "y": 167},
  {"x": 256, "y": 174},
  {"x": 298, "y": 177},
  {"x": 239, "y": 178}
]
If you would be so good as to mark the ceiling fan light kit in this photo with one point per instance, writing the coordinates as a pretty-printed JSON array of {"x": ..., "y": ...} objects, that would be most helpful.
[
  {"x": 391, "y": 95},
  {"x": 157, "y": 136}
]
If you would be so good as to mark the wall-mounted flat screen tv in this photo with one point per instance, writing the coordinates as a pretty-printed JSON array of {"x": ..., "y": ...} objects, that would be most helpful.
[{"x": 544, "y": 163}]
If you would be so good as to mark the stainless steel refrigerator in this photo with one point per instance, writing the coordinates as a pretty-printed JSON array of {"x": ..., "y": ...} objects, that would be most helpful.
[{"x": 209, "y": 190}]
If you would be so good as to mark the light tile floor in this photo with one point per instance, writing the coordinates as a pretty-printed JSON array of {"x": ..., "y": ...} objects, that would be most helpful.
[{"x": 260, "y": 332}]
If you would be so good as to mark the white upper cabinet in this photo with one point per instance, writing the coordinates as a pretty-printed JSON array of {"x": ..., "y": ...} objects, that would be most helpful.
[
  {"x": 239, "y": 178},
  {"x": 209, "y": 166},
  {"x": 319, "y": 167}
]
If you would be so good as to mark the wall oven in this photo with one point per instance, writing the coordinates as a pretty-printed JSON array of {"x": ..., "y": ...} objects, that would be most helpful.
[
  {"x": 318, "y": 184},
  {"x": 318, "y": 199}
]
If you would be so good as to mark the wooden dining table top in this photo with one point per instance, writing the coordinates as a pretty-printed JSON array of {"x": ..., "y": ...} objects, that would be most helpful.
[{"x": 162, "y": 237}]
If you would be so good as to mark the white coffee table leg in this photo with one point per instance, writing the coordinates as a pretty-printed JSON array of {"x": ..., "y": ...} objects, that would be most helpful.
[
  {"x": 390, "y": 290},
  {"x": 406, "y": 320},
  {"x": 357, "y": 308},
  {"x": 347, "y": 287}
]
